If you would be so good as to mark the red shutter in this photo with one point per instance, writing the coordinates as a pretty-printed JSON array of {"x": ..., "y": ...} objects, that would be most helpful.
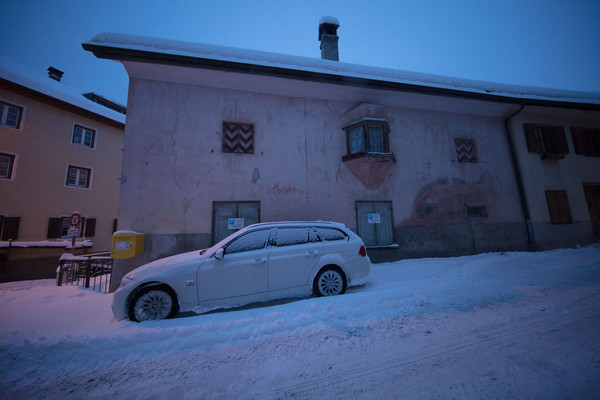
[
  {"x": 90, "y": 227},
  {"x": 532, "y": 146},
  {"x": 558, "y": 207},
  {"x": 10, "y": 228},
  {"x": 54, "y": 227}
]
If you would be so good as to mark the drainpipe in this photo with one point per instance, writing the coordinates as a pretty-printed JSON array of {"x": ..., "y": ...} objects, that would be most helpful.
[{"x": 520, "y": 185}]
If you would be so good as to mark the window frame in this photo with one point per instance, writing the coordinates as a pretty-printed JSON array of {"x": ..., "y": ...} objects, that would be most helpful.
[
  {"x": 4, "y": 114},
  {"x": 12, "y": 168},
  {"x": 81, "y": 143},
  {"x": 366, "y": 124},
  {"x": 78, "y": 168}
]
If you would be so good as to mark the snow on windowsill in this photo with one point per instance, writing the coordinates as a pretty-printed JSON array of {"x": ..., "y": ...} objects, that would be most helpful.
[{"x": 46, "y": 244}]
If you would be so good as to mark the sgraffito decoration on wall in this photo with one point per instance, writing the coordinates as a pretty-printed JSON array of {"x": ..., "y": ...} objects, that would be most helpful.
[
  {"x": 465, "y": 150},
  {"x": 238, "y": 138}
]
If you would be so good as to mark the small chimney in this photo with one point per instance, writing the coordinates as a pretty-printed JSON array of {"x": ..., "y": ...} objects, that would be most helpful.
[
  {"x": 55, "y": 74},
  {"x": 329, "y": 38}
]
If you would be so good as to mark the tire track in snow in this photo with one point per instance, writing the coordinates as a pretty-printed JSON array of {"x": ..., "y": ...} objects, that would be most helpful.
[{"x": 547, "y": 322}]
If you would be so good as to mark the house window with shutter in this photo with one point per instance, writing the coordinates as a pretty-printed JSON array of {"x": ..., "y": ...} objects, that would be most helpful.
[
  {"x": 547, "y": 140},
  {"x": 58, "y": 228},
  {"x": 238, "y": 138},
  {"x": 558, "y": 207},
  {"x": 586, "y": 141}
]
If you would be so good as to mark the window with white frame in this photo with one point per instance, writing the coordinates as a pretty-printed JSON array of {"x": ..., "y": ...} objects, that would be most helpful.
[
  {"x": 10, "y": 115},
  {"x": 369, "y": 136},
  {"x": 83, "y": 136},
  {"x": 78, "y": 176},
  {"x": 7, "y": 165}
]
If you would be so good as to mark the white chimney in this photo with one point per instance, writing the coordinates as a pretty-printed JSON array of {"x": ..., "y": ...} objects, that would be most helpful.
[{"x": 329, "y": 38}]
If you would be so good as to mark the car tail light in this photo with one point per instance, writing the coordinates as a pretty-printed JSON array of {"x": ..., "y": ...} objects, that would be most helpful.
[{"x": 362, "y": 252}]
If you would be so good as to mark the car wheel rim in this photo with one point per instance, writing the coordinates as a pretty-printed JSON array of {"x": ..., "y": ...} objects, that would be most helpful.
[
  {"x": 330, "y": 283},
  {"x": 156, "y": 304}
]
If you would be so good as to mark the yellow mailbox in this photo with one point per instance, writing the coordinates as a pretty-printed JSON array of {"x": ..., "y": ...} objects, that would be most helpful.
[{"x": 127, "y": 244}]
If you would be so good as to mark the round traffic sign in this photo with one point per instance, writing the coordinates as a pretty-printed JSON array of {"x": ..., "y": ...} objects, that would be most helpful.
[{"x": 75, "y": 219}]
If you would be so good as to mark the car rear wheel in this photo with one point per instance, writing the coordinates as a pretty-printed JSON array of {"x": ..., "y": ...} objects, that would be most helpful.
[
  {"x": 330, "y": 282},
  {"x": 152, "y": 303}
]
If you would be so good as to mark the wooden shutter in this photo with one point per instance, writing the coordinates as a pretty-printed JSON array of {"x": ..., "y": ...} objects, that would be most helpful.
[
  {"x": 578, "y": 140},
  {"x": 10, "y": 228},
  {"x": 90, "y": 227},
  {"x": 532, "y": 146},
  {"x": 560, "y": 139},
  {"x": 54, "y": 228},
  {"x": 558, "y": 207}
]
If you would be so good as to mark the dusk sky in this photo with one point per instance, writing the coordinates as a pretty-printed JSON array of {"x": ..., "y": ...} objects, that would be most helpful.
[{"x": 546, "y": 43}]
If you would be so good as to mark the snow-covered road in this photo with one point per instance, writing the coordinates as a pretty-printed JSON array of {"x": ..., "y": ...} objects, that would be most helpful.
[{"x": 510, "y": 325}]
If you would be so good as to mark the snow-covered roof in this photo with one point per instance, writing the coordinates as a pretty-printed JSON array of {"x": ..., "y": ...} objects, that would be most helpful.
[
  {"x": 23, "y": 76},
  {"x": 115, "y": 45}
]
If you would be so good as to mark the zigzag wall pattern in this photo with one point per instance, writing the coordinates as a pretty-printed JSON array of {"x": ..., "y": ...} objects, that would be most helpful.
[
  {"x": 238, "y": 138},
  {"x": 466, "y": 151}
]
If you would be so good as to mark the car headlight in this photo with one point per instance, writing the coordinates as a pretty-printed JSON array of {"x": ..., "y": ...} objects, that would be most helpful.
[{"x": 126, "y": 280}]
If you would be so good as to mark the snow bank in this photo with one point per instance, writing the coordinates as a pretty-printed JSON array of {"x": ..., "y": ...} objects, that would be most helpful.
[{"x": 503, "y": 325}]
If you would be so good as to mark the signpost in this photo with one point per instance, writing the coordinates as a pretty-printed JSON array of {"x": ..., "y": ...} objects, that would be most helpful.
[{"x": 74, "y": 222}]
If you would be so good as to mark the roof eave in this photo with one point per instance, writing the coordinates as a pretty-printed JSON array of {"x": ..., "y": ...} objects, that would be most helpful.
[
  {"x": 61, "y": 103},
  {"x": 124, "y": 54}
]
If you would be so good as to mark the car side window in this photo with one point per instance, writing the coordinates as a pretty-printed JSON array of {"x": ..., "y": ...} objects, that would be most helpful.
[
  {"x": 330, "y": 234},
  {"x": 250, "y": 241},
  {"x": 291, "y": 236}
]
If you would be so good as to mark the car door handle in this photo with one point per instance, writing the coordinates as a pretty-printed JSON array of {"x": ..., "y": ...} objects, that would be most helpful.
[
  {"x": 260, "y": 261},
  {"x": 311, "y": 253}
]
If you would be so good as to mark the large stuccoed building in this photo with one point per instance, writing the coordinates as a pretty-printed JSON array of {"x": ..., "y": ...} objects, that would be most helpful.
[{"x": 418, "y": 165}]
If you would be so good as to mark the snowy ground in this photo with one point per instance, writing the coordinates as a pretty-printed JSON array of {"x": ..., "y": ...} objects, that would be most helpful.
[{"x": 511, "y": 325}]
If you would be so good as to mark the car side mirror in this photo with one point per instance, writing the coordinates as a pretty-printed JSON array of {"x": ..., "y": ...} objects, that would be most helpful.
[{"x": 219, "y": 254}]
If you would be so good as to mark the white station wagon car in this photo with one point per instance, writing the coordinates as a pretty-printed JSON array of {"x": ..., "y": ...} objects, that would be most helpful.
[{"x": 258, "y": 263}]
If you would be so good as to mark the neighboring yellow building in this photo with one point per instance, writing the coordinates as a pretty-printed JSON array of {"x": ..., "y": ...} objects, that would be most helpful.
[{"x": 60, "y": 153}]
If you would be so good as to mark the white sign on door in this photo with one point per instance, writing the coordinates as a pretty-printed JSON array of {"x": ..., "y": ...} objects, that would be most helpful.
[
  {"x": 374, "y": 218},
  {"x": 235, "y": 223}
]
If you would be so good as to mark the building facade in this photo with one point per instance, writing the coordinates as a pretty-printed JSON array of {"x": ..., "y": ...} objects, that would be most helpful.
[
  {"x": 60, "y": 153},
  {"x": 418, "y": 165}
]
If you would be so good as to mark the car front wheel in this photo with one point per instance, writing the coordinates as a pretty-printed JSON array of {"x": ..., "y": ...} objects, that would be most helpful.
[
  {"x": 330, "y": 282},
  {"x": 152, "y": 303}
]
